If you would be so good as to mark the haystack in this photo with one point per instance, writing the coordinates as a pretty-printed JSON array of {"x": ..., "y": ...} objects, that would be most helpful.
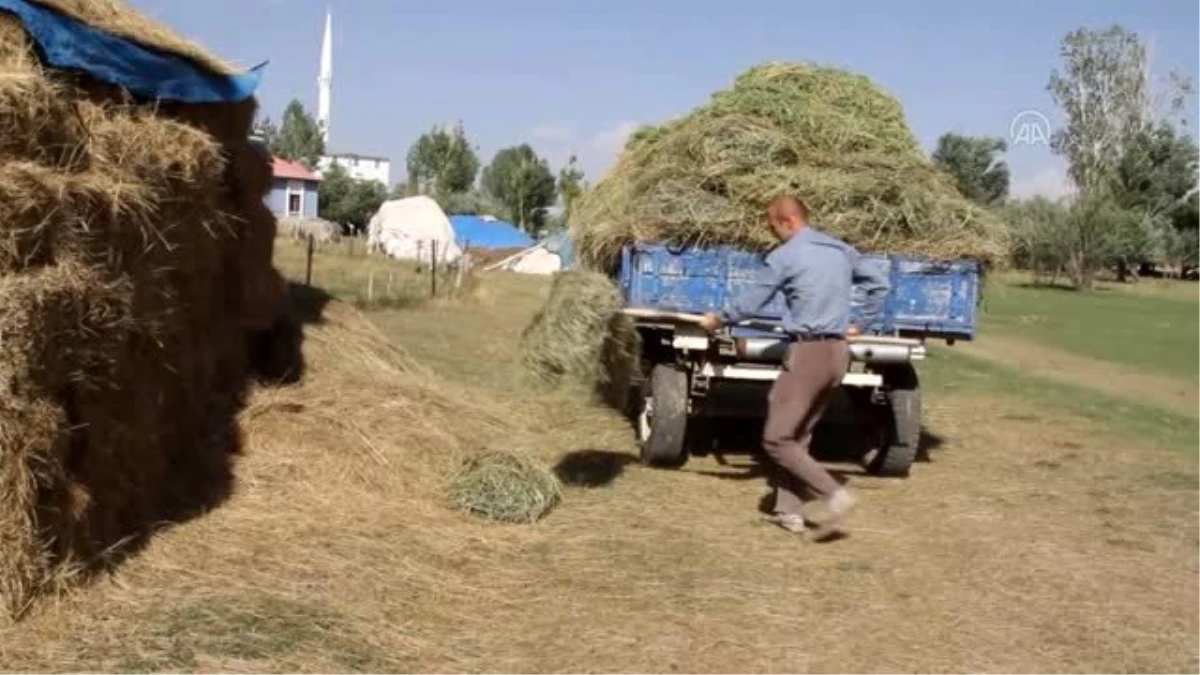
[
  {"x": 505, "y": 487},
  {"x": 367, "y": 418},
  {"x": 830, "y": 136},
  {"x": 135, "y": 263},
  {"x": 581, "y": 341}
]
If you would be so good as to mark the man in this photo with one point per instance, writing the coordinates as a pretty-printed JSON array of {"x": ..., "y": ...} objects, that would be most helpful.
[{"x": 816, "y": 274}]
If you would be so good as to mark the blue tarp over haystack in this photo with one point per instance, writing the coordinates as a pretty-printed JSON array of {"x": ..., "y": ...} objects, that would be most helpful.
[
  {"x": 483, "y": 232},
  {"x": 72, "y": 45}
]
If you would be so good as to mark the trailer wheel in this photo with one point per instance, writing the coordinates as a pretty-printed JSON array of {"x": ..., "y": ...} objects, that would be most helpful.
[
  {"x": 901, "y": 424},
  {"x": 662, "y": 423}
]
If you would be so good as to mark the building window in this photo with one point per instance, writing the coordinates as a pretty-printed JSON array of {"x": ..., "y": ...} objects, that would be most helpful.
[{"x": 295, "y": 198}]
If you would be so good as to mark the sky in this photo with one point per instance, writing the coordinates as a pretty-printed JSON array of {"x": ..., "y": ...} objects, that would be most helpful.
[{"x": 577, "y": 77}]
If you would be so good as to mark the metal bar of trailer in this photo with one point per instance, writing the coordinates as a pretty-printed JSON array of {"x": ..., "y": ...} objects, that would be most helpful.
[{"x": 688, "y": 318}]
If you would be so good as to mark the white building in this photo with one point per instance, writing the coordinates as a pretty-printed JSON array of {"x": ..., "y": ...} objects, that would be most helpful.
[{"x": 360, "y": 167}]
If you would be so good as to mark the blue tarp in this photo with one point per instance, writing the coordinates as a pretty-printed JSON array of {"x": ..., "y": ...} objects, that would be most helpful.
[
  {"x": 478, "y": 232},
  {"x": 66, "y": 43}
]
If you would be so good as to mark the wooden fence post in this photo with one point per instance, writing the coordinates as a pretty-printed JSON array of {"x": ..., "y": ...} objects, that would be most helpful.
[
  {"x": 464, "y": 259},
  {"x": 371, "y": 286},
  {"x": 433, "y": 269},
  {"x": 308, "y": 264}
]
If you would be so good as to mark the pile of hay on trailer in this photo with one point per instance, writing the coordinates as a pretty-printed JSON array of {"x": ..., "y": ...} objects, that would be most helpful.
[
  {"x": 135, "y": 265},
  {"x": 831, "y": 137}
]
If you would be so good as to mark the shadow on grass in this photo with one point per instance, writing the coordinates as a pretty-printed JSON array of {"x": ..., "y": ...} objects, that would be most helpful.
[
  {"x": 591, "y": 468},
  {"x": 1065, "y": 288},
  {"x": 277, "y": 354},
  {"x": 199, "y": 454},
  {"x": 738, "y": 447}
]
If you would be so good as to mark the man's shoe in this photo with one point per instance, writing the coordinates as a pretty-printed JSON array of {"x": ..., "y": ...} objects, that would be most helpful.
[
  {"x": 792, "y": 522},
  {"x": 835, "y": 509}
]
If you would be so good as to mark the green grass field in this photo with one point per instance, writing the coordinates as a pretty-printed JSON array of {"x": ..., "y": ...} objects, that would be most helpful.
[
  {"x": 950, "y": 373},
  {"x": 346, "y": 272},
  {"x": 1153, "y": 327}
]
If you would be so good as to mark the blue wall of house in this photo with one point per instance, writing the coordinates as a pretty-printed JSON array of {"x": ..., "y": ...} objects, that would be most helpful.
[{"x": 277, "y": 198}]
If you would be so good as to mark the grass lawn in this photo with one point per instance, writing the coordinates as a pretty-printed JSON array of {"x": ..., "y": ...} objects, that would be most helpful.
[
  {"x": 948, "y": 373},
  {"x": 1157, "y": 331},
  {"x": 346, "y": 272}
]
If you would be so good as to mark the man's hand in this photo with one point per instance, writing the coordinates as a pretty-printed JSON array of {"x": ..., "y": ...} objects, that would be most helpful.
[
  {"x": 853, "y": 331},
  {"x": 710, "y": 322}
]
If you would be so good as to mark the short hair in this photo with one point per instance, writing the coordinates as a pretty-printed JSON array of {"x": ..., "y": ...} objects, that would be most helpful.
[{"x": 794, "y": 201}]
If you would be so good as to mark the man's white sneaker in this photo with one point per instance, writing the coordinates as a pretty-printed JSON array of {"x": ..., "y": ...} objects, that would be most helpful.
[
  {"x": 792, "y": 522},
  {"x": 835, "y": 509}
]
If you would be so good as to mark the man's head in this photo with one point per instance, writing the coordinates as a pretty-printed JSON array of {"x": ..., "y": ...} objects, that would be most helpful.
[{"x": 788, "y": 215}]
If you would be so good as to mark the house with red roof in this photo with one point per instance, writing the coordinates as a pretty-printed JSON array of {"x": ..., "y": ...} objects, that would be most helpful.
[{"x": 293, "y": 190}]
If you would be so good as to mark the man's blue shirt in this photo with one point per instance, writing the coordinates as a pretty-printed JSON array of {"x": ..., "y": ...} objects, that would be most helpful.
[{"x": 816, "y": 274}]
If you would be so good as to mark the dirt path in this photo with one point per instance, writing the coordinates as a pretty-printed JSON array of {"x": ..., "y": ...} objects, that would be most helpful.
[{"x": 1104, "y": 376}]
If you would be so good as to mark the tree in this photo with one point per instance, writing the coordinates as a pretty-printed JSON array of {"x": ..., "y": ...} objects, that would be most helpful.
[
  {"x": 1158, "y": 171},
  {"x": 442, "y": 162},
  {"x": 570, "y": 185},
  {"x": 347, "y": 201},
  {"x": 471, "y": 203},
  {"x": 974, "y": 164},
  {"x": 1157, "y": 177},
  {"x": 1038, "y": 229},
  {"x": 522, "y": 183},
  {"x": 265, "y": 129},
  {"x": 1108, "y": 102},
  {"x": 299, "y": 138}
]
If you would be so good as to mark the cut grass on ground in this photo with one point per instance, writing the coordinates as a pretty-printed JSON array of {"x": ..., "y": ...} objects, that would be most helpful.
[
  {"x": 1022, "y": 547},
  {"x": 1142, "y": 329}
]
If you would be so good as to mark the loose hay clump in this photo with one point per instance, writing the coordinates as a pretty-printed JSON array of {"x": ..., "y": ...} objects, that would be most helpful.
[
  {"x": 581, "y": 340},
  {"x": 829, "y": 136},
  {"x": 135, "y": 265},
  {"x": 504, "y": 487}
]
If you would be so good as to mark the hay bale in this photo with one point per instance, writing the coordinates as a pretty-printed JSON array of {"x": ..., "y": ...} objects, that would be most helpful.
[
  {"x": 830, "y": 136},
  {"x": 505, "y": 487},
  {"x": 135, "y": 262},
  {"x": 115, "y": 16},
  {"x": 580, "y": 339},
  {"x": 322, "y": 231}
]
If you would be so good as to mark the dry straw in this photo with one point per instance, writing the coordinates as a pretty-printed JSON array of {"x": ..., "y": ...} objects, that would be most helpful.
[
  {"x": 506, "y": 487},
  {"x": 580, "y": 340},
  {"x": 829, "y": 136},
  {"x": 135, "y": 262}
]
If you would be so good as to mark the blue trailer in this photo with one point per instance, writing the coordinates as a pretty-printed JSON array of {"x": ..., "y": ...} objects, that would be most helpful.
[{"x": 692, "y": 379}]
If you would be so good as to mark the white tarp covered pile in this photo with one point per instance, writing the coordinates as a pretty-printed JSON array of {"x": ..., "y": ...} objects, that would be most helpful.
[
  {"x": 537, "y": 261},
  {"x": 407, "y": 229},
  {"x": 547, "y": 257}
]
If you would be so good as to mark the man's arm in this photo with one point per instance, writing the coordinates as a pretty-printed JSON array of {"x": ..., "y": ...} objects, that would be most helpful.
[
  {"x": 874, "y": 284},
  {"x": 755, "y": 297}
]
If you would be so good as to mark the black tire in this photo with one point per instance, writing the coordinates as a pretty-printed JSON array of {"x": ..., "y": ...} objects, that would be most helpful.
[
  {"x": 902, "y": 424},
  {"x": 666, "y": 444}
]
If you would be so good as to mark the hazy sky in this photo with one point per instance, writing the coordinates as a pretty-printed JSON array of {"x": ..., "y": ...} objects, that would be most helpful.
[{"x": 577, "y": 76}]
